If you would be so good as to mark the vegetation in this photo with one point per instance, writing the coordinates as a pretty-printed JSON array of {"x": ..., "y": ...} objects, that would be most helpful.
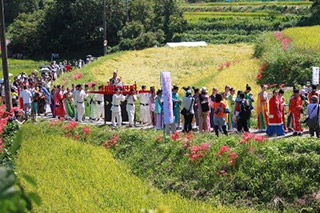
[
  {"x": 284, "y": 60},
  {"x": 304, "y": 38},
  {"x": 17, "y": 66},
  {"x": 242, "y": 171},
  {"x": 79, "y": 177},
  {"x": 74, "y": 25},
  {"x": 199, "y": 66}
]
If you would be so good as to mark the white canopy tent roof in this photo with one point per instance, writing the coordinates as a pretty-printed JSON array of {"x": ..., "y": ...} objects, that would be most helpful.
[{"x": 187, "y": 44}]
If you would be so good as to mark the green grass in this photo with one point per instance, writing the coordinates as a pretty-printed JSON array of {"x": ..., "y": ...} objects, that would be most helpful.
[
  {"x": 17, "y": 66},
  {"x": 76, "y": 177},
  {"x": 250, "y": 3}
]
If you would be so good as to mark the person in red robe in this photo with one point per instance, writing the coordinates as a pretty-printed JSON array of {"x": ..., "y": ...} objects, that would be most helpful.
[
  {"x": 275, "y": 124},
  {"x": 283, "y": 108},
  {"x": 296, "y": 108},
  {"x": 59, "y": 102}
]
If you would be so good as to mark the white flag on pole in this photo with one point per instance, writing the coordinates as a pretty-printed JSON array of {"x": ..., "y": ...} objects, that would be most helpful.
[
  {"x": 168, "y": 117},
  {"x": 315, "y": 75}
]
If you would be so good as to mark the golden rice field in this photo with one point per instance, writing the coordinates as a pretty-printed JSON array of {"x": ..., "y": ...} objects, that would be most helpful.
[
  {"x": 306, "y": 38},
  {"x": 196, "y": 66}
]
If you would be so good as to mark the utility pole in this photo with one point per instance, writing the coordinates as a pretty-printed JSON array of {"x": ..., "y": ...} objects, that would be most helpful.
[
  {"x": 105, "y": 41},
  {"x": 4, "y": 55}
]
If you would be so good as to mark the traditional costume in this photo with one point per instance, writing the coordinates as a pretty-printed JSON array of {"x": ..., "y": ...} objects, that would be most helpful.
[
  {"x": 262, "y": 110},
  {"x": 131, "y": 108},
  {"x": 231, "y": 103},
  {"x": 176, "y": 108},
  {"x": 100, "y": 106},
  {"x": 79, "y": 97},
  {"x": 275, "y": 125},
  {"x": 296, "y": 110},
  {"x": 59, "y": 103},
  {"x": 282, "y": 110},
  {"x": 158, "y": 111}
]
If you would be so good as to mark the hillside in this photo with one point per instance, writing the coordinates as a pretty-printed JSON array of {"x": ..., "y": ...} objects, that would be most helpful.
[
  {"x": 200, "y": 66},
  {"x": 75, "y": 177}
]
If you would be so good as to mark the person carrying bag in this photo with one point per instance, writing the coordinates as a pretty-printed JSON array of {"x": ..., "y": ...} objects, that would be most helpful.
[
  {"x": 188, "y": 114},
  {"x": 313, "y": 117}
]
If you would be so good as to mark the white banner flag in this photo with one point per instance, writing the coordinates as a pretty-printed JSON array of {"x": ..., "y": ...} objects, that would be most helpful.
[
  {"x": 315, "y": 75},
  {"x": 167, "y": 98}
]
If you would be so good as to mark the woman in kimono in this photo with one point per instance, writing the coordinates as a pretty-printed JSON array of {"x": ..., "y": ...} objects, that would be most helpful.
[
  {"x": 59, "y": 102},
  {"x": 262, "y": 109}
]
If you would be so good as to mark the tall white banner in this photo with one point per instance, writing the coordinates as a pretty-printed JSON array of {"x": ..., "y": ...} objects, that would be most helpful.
[
  {"x": 315, "y": 75},
  {"x": 168, "y": 117}
]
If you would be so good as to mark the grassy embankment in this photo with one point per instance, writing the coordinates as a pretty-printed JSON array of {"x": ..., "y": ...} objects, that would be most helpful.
[{"x": 76, "y": 177}]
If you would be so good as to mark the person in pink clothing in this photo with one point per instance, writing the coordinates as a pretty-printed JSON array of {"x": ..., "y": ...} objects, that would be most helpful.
[{"x": 59, "y": 102}]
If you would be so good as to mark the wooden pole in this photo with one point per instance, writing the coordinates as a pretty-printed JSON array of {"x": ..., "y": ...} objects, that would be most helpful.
[
  {"x": 105, "y": 41},
  {"x": 4, "y": 55}
]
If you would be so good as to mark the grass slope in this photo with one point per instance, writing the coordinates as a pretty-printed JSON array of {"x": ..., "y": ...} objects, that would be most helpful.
[
  {"x": 305, "y": 38},
  {"x": 17, "y": 66},
  {"x": 197, "y": 66},
  {"x": 75, "y": 177}
]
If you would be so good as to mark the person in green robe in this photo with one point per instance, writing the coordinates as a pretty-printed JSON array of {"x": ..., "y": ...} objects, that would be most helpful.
[
  {"x": 71, "y": 110},
  {"x": 176, "y": 105}
]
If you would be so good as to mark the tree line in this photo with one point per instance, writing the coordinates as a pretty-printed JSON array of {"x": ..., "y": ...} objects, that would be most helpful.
[{"x": 40, "y": 27}]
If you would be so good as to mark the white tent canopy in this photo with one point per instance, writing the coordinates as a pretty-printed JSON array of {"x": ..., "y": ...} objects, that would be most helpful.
[{"x": 187, "y": 44}]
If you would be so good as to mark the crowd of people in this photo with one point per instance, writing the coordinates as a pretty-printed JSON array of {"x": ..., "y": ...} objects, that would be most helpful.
[{"x": 219, "y": 112}]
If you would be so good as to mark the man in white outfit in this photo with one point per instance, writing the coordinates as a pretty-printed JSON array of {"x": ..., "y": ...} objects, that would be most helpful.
[
  {"x": 100, "y": 104},
  {"x": 79, "y": 100},
  {"x": 131, "y": 107},
  {"x": 145, "y": 117},
  {"x": 116, "y": 108}
]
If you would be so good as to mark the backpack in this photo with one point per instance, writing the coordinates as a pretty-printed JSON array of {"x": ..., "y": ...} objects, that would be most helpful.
[
  {"x": 204, "y": 104},
  {"x": 314, "y": 122},
  {"x": 245, "y": 110}
]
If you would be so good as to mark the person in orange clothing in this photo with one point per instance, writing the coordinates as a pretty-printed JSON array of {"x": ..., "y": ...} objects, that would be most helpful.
[
  {"x": 275, "y": 116},
  {"x": 283, "y": 108},
  {"x": 296, "y": 109},
  {"x": 219, "y": 110},
  {"x": 312, "y": 93}
]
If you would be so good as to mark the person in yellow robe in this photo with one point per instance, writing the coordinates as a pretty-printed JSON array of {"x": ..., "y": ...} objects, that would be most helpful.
[{"x": 262, "y": 109}]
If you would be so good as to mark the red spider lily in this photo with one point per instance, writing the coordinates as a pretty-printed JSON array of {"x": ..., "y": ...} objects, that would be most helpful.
[
  {"x": 232, "y": 158},
  {"x": 71, "y": 126},
  {"x": 77, "y": 136},
  {"x": 227, "y": 64},
  {"x": 198, "y": 152},
  {"x": 223, "y": 149},
  {"x": 68, "y": 135},
  {"x": 61, "y": 119},
  {"x": 175, "y": 136},
  {"x": 279, "y": 35},
  {"x": 53, "y": 123},
  {"x": 263, "y": 67},
  {"x": 91, "y": 83},
  {"x": 190, "y": 135},
  {"x": 281, "y": 85},
  {"x": 77, "y": 76},
  {"x": 86, "y": 130},
  {"x": 113, "y": 142},
  {"x": 260, "y": 76},
  {"x": 73, "y": 123},
  {"x": 249, "y": 136}
]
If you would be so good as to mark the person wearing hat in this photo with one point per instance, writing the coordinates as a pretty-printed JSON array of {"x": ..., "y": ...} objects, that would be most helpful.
[
  {"x": 176, "y": 106},
  {"x": 145, "y": 116},
  {"x": 114, "y": 80},
  {"x": 275, "y": 116},
  {"x": 131, "y": 106},
  {"x": 296, "y": 109},
  {"x": 313, "y": 112}
]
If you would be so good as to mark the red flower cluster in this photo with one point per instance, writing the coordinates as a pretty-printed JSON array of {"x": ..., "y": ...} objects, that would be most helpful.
[
  {"x": 222, "y": 150},
  {"x": 70, "y": 127},
  {"x": 198, "y": 152},
  {"x": 176, "y": 136},
  {"x": 86, "y": 130},
  {"x": 249, "y": 136},
  {"x": 261, "y": 71},
  {"x": 225, "y": 65},
  {"x": 232, "y": 158},
  {"x": 285, "y": 41},
  {"x": 77, "y": 76},
  {"x": 113, "y": 142}
]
